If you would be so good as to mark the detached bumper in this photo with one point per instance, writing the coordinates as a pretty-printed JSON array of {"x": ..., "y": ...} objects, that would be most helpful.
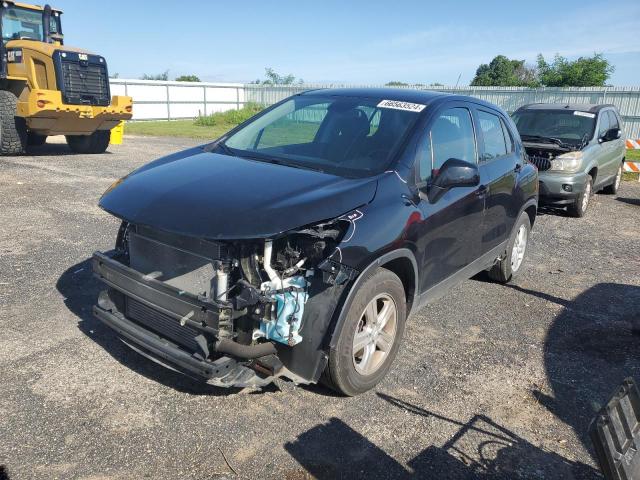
[
  {"x": 46, "y": 114},
  {"x": 558, "y": 189}
]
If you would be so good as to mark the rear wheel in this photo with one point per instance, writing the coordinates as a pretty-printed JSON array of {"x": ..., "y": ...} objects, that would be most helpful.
[
  {"x": 613, "y": 188},
  {"x": 35, "y": 139},
  {"x": 13, "y": 129},
  {"x": 511, "y": 262},
  {"x": 97, "y": 142},
  {"x": 579, "y": 207},
  {"x": 370, "y": 336}
]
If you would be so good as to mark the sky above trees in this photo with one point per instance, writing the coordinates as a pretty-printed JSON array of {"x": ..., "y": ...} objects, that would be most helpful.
[{"x": 362, "y": 42}]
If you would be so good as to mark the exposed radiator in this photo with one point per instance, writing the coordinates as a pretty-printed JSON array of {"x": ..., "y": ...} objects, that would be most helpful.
[{"x": 162, "y": 324}]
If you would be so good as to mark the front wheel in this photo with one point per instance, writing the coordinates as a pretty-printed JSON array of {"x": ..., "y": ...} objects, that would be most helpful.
[
  {"x": 97, "y": 142},
  {"x": 579, "y": 207},
  {"x": 13, "y": 129},
  {"x": 510, "y": 264},
  {"x": 370, "y": 337}
]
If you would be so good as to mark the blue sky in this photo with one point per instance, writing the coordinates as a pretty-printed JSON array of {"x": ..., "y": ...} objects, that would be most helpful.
[{"x": 349, "y": 41}]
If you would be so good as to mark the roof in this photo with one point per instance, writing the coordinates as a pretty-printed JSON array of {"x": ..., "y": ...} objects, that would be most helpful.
[
  {"x": 31, "y": 6},
  {"x": 424, "y": 97},
  {"x": 399, "y": 94},
  {"x": 582, "y": 107}
]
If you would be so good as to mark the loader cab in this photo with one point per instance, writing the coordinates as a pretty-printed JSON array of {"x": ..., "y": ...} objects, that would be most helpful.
[{"x": 27, "y": 22}]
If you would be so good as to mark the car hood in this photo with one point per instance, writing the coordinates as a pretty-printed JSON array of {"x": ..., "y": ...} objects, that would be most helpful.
[{"x": 209, "y": 195}]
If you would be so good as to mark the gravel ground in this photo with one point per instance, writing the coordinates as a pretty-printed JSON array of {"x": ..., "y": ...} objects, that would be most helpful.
[{"x": 491, "y": 382}]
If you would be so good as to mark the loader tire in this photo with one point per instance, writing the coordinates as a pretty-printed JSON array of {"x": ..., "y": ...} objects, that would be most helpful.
[
  {"x": 97, "y": 142},
  {"x": 13, "y": 129}
]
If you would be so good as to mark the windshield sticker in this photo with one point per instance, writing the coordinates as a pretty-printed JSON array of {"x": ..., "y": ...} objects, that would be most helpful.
[
  {"x": 584, "y": 114},
  {"x": 409, "y": 107}
]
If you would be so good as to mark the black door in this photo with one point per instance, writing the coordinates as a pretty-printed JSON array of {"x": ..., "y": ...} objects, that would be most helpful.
[
  {"x": 499, "y": 164},
  {"x": 450, "y": 232}
]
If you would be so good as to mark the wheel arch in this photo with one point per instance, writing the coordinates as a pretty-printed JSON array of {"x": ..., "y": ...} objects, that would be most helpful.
[
  {"x": 403, "y": 263},
  {"x": 530, "y": 207}
]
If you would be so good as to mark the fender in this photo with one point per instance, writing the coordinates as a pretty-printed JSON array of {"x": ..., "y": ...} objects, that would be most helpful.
[
  {"x": 591, "y": 166},
  {"x": 527, "y": 204},
  {"x": 387, "y": 257}
]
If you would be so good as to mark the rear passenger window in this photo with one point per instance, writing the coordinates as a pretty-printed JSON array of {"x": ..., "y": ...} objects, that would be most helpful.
[
  {"x": 452, "y": 137},
  {"x": 494, "y": 143}
]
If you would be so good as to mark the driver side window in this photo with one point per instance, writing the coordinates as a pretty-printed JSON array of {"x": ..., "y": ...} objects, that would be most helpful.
[
  {"x": 451, "y": 136},
  {"x": 604, "y": 124}
]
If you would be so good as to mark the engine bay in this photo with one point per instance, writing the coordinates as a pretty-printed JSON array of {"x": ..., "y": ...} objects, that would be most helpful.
[{"x": 260, "y": 287}]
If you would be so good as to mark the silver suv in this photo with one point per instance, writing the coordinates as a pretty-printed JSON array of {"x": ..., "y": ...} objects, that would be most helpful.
[{"x": 578, "y": 149}]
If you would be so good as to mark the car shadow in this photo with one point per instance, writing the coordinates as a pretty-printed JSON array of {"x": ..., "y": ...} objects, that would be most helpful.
[
  {"x": 4, "y": 473},
  {"x": 480, "y": 448},
  {"x": 80, "y": 291},
  {"x": 630, "y": 201},
  {"x": 590, "y": 348}
]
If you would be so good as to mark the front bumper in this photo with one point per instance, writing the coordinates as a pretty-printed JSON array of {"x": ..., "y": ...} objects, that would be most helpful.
[
  {"x": 58, "y": 118},
  {"x": 187, "y": 313},
  {"x": 560, "y": 189}
]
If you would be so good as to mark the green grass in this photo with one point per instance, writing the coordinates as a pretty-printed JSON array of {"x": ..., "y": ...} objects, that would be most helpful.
[
  {"x": 208, "y": 127},
  {"x": 176, "y": 128},
  {"x": 230, "y": 117},
  {"x": 631, "y": 156}
]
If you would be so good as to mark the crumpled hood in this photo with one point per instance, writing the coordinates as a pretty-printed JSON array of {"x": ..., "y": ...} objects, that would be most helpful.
[{"x": 216, "y": 196}]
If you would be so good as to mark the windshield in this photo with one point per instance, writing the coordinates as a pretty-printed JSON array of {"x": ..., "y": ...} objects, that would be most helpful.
[
  {"x": 346, "y": 136},
  {"x": 23, "y": 23},
  {"x": 570, "y": 126}
]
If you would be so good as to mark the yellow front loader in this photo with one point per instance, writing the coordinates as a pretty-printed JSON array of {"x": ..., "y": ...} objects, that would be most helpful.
[{"x": 47, "y": 88}]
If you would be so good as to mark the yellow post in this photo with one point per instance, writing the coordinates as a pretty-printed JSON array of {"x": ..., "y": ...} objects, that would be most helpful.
[{"x": 117, "y": 133}]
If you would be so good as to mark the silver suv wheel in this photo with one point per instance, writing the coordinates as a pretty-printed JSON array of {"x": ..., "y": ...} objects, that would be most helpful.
[
  {"x": 375, "y": 334},
  {"x": 519, "y": 248}
]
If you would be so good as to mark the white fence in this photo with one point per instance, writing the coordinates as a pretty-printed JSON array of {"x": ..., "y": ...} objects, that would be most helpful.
[
  {"x": 174, "y": 100},
  {"x": 159, "y": 100}
]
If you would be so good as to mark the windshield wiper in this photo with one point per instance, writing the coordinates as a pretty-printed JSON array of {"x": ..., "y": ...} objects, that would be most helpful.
[{"x": 542, "y": 139}]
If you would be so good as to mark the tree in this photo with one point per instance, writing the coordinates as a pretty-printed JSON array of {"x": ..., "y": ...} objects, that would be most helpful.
[
  {"x": 504, "y": 72},
  {"x": 158, "y": 76},
  {"x": 187, "y": 78},
  {"x": 584, "y": 72},
  {"x": 396, "y": 84},
  {"x": 274, "y": 78}
]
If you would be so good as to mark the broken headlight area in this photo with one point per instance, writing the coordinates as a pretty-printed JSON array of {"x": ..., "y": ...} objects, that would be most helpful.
[{"x": 220, "y": 298}]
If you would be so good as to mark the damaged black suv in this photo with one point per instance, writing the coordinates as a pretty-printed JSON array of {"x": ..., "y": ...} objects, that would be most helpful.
[{"x": 298, "y": 244}]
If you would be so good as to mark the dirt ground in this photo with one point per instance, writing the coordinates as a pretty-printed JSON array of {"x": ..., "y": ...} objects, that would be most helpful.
[{"x": 491, "y": 381}]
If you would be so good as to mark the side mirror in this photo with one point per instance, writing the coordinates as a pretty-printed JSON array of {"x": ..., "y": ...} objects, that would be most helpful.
[
  {"x": 612, "y": 134},
  {"x": 453, "y": 173}
]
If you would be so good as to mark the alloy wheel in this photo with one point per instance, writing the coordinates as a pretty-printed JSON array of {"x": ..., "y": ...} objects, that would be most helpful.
[
  {"x": 375, "y": 334},
  {"x": 585, "y": 197},
  {"x": 519, "y": 248}
]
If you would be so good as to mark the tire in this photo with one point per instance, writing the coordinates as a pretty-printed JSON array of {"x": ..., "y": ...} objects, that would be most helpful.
[
  {"x": 35, "y": 139},
  {"x": 510, "y": 265},
  {"x": 352, "y": 370},
  {"x": 579, "y": 207},
  {"x": 613, "y": 188},
  {"x": 97, "y": 142},
  {"x": 13, "y": 129}
]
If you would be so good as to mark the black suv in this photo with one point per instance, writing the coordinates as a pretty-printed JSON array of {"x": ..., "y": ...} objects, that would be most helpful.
[{"x": 298, "y": 244}]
